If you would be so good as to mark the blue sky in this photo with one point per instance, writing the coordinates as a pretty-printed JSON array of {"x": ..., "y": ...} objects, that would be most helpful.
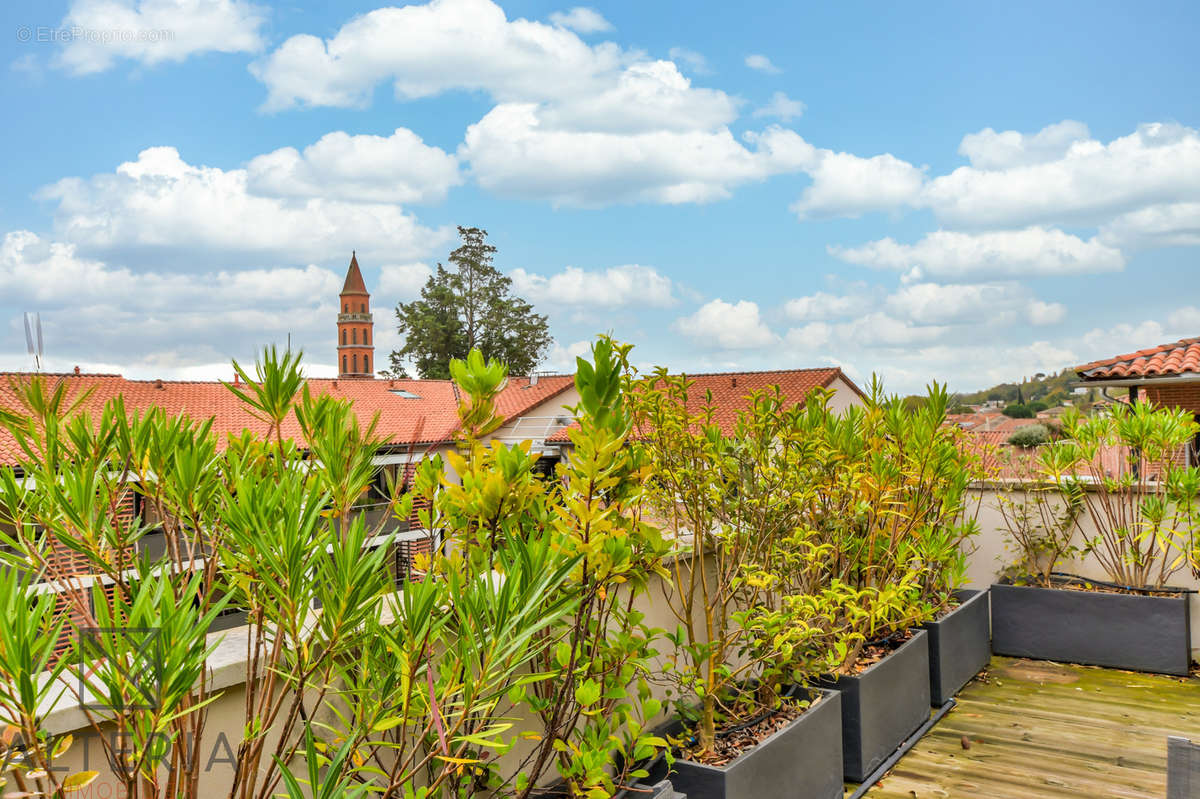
[{"x": 927, "y": 191}]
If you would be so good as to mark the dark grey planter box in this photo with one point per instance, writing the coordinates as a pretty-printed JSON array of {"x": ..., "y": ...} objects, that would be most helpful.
[
  {"x": 1183, "y": 768},
  {"x": 960, "y": 645},
  {"x": 801, "y": 761},
  {"x": 1121, "y": 631},
  {"x": 883, "y": 706}
]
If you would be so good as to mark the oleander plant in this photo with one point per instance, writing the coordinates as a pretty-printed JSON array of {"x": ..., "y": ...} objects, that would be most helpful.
[{"x": 518, "y": 660}]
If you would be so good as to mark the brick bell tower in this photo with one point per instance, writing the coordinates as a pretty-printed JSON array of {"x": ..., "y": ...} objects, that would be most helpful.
[{"x": 356, "y": 351}]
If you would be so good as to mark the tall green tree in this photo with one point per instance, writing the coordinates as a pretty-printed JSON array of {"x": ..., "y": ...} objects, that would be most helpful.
[{"x": 469, "y": 305}]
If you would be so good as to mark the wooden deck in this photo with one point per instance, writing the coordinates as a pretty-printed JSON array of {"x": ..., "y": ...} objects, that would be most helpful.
[{"x": 1036, "y": 729}]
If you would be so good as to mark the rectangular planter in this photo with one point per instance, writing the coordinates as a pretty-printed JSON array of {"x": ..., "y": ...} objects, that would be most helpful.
[
  {"x": 801, "y": 761},
  {"x": 1183, "y": 768},
  {"x": 960, "y": 645},
  {"x": 883, "y": 706},
  {"x": 1121, "y": 631}
]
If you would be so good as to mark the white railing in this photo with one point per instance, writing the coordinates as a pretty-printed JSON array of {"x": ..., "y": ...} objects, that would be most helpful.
[{"x": 535, "y": 428}]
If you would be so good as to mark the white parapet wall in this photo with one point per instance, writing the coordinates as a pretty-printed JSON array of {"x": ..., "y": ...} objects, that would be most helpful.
[
  {"x": 991, "y": 552},
  {"x": 989, "y": 555}
]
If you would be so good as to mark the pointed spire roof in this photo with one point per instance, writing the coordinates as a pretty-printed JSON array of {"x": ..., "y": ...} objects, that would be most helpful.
[{"x": 354, "y": 279}]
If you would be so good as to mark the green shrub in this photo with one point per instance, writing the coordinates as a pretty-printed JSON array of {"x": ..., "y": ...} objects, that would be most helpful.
[
  {"x": 1146, "y": 518},
  {"x": 1018, "y": 411},
  {"x": 1030, "y": 435}
]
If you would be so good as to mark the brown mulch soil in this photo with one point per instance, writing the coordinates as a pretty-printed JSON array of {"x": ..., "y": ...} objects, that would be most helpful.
[
  {"x": 874, "y": 652},
  {"x": 952, "y": 605},
  {"x": 1099, "y": 588},
  {"x": 731, "y": 745}
]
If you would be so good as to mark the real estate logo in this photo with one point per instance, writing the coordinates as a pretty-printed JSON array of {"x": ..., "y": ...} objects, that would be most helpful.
[{"x": 121, "y": 668}]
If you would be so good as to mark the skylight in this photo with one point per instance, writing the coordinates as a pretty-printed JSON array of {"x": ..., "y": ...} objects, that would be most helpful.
[{"x": 399, "y": 392}]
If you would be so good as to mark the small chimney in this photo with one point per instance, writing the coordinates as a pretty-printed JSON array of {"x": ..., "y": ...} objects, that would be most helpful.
[
  {"x": 733, "y": 381},
  {"x": 236, "y": 379},
  {"x": 76, "y": 370},
  {"x": 533, "y": 378},
  {"x": 158, "y": 384}
]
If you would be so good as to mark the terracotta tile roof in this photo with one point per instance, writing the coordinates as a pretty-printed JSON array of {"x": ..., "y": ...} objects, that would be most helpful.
[
  {"x": 731, "y": 392},
  {"x": 562, "y": 436},
  {"x": 1180, "y": 357},
  {"x": 430, "y": 417},
  {"x": 519, "y": 396},
  {"x": 1007, "y": 426}
]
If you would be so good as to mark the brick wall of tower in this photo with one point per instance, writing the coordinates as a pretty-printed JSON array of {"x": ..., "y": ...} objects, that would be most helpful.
[{"x": 355, "y": 328}]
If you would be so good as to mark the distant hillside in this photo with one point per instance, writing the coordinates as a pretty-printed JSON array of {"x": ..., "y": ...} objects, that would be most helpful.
[{"x": 1050, "y": 389}]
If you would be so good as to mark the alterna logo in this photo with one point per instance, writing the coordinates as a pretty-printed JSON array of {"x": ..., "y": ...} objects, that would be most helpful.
[{"x": 131, "y": 662}]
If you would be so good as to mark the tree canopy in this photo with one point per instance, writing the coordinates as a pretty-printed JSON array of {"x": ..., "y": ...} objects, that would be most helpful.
[{"x": 469, "y": 305}]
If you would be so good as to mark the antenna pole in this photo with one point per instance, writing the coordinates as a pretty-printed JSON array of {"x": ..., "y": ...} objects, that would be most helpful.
[{"x": 35, "y": 350}]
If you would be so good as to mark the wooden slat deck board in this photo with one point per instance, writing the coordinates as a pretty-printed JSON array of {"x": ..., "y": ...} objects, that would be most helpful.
[{"x": 1039, "y": 729}]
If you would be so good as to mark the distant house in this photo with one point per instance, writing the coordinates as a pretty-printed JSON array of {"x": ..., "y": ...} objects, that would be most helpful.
[{"x": 1167, "y": 376}]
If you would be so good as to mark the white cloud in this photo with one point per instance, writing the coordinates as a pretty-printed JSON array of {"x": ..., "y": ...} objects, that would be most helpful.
[
  {"x": 849, "y": 185},
  {"x": 867, "y": 333},
  {"x": 401, "y": 282},
  {"x": 160, "y": 202},
  {"x": 1163, "y": 225},
  {"x": 1141, "y": 189},
  {"x": 574, "y": 123},
  {"x": 1122, "y": 337},
  {"x": 734, "y": 326},
  {"x": 812, "y": 337},
  {"x": 511, "y": 152},
  {"x": 162, "y": 324},
  {"x": 615, "y": 287},
  {"x": 762, "y": 64},
  {"x": 562, "y": 359},
  {"x": 1033, "y": 251},
  {"x": 1185, "y": 319},
  {"x": 823, "y": 305},
  {"x": 1089, "y": 184},
  {"x": 988, "y": 149},
  {"x": 695, "y": 62},
  {"x": 399, "y": 168},
  {"x": 881, "y": 329},
  {"x": 649, "y": 96},
  {"x": 977, "y": 304},
  {"x": 1046, "y": 313},
  {"x": 781, "y": 106},
  {"x": 157, "y": 31},
  {"x": 581, "y": 20},
  {"x": 428, "y": 49},
  {"x": 939, "y": 303},
  {"x": 53, "y": 274}
]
